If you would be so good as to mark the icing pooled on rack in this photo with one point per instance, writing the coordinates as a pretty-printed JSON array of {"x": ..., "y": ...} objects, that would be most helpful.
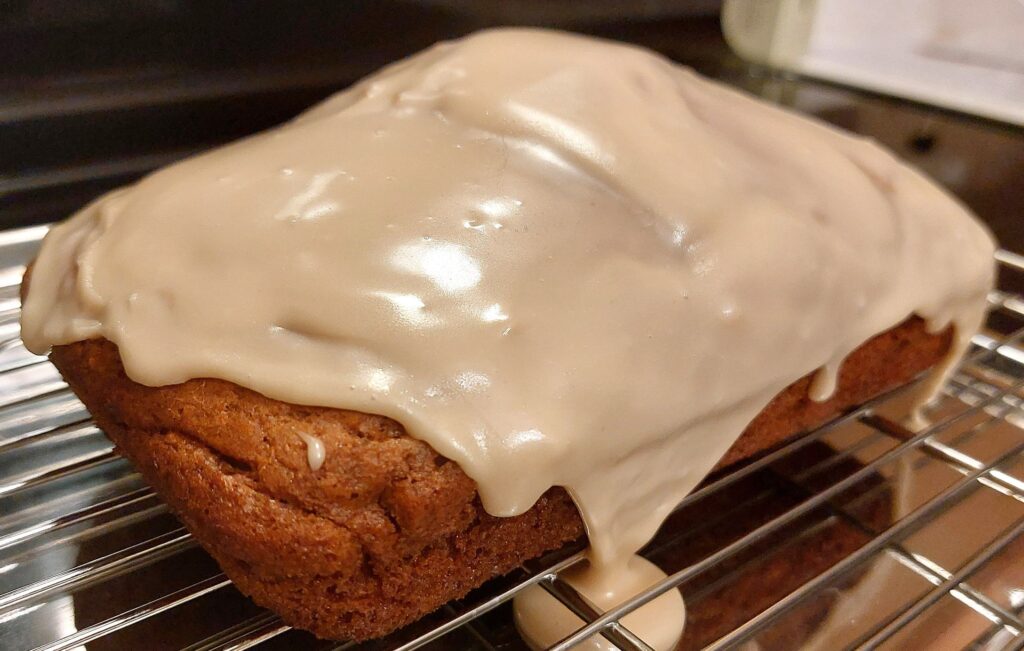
[
  {"x": 543, "y": 621},
  {"x": 557, "y": 260}
]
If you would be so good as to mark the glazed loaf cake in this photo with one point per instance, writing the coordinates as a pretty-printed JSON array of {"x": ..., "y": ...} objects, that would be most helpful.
[
  {"x": 369, "y": 356},
  {"x": 386, "y": 530}
]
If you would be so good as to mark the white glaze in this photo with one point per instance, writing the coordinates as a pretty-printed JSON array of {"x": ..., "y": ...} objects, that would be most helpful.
[
  {"x": 315, "y": 451},
  {"x": 559, "y": 261},
  {"x": 824, "y": 382}
]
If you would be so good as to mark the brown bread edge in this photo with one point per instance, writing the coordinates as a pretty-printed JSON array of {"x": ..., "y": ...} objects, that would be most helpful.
[{"x": 386, "y": 530}]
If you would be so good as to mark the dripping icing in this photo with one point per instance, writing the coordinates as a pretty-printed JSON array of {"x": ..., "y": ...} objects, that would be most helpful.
[
  {"x": 542, "y": 620},
  {"x": 315, "y": 451}
]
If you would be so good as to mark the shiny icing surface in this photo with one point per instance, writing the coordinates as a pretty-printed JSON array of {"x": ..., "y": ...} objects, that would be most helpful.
[{"x": 557, "y": 260}]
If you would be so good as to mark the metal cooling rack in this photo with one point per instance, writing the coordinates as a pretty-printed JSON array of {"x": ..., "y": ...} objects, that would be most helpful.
[{"x": 861, "y": 534}]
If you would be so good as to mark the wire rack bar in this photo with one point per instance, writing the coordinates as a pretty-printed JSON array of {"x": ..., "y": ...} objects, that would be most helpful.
[
  {"x": 929, "y": 570},
  {"x": 972, "y": 598},
  {"x": 128, "y": 559},
  {"x": 910, "y": 612},
  {"x": 259, "y": 636},
  {"x": 971, "y": 393},
  {"x": 919, "y": 517},
  {"x": 29, "y": 382},
  {"x": 112, "y": 505},
  {"x": 961, "y": 462},
  {"x": 138, "y": 614},
  {"x": 250, "y": 633},
  {"x": 473, "y": 628},
  {"x": 80, "y": 463},
  {"x": 918, "y": 563},
  {"x": 14, "y": 355},
  {"x": 62, "y": 434},
  {"x": 924, "y": 567},
  {"x": 804, "y": 508},
  {"x": 1010, "y": 259},
  {"x": 583, "y": 608},
  {"x": 1017, "y": 645},
  {"x": 35, "y": 415},
  {"x": 985, "y": 640}
]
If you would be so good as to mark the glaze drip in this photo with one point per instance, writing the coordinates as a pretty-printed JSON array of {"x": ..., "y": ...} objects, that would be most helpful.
[{"x": 315, "y": 451}]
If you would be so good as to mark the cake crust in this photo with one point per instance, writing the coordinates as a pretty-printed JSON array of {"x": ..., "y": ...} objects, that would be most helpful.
[{"x": 386, "y": 530}]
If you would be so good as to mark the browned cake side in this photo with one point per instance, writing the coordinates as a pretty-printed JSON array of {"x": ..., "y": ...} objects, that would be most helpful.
[{"x": 387, "y": 530}]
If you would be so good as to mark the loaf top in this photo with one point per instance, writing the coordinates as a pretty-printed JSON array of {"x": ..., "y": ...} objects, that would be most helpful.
[{"x": 558, "y": 260}]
